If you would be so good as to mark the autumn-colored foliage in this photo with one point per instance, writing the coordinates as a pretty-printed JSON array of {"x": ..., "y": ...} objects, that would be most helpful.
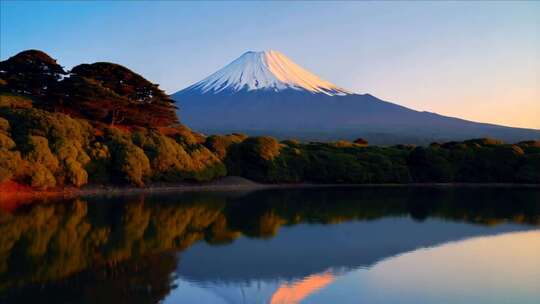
[{"x": 102, "y": 92}]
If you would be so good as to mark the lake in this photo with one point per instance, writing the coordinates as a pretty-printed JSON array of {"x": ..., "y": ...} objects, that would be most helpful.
[{"x": 318, "y": 245}]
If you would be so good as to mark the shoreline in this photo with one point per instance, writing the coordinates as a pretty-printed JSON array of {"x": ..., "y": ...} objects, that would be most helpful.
[
  {"x": 17, "y": 197},
  {"x": 234, "y": 184}
]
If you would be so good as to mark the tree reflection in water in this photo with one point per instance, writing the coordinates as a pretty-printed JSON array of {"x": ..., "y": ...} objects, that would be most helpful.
[{"x": 123, "y": 248}]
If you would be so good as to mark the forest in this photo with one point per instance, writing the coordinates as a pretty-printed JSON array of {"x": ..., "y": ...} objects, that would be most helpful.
[{"x": 103, "y": 124}]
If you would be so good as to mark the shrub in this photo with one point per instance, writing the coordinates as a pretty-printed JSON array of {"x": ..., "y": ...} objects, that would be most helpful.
[
  {"x": 6, "y": 142},
  {"x": 14, "y": 101},
  {"x": 529, "y": 171},
  {"x": 53, "y": 126},
  {"x": 37, "y": 151},
  {"x": 220, "y": 144},
  {"x": 342, "y": 144},
  {"x": 98, "y": 167},
  {"x": 264, "y": 147},
  {"x": 484, "y": 142},
  {"x": 4, "y": 125},
  {"x": 11, "y": 165},
  {"x": 430, "y": 165},
  {"x": 361, "y": 142},
  {"x": 41, "y": 177},
  {"x": 205, "y": 165},
  {"x": 171, "y": 161},
  {"x": 76, "y": 174},
  {"x": 253, "y": 158},
  {"x": 132, "y": 163},
  {"x": 168, "y": 159}
]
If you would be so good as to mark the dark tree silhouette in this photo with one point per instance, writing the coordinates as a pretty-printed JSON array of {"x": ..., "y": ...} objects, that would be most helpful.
[
  {"x": 103, "y": 92},
  {"x": 146, "y": 103},
  {"x": 30, "y": 72}
]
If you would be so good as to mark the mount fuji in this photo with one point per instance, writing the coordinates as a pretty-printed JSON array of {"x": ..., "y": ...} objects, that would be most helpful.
[{"x": 266, "y": 93}]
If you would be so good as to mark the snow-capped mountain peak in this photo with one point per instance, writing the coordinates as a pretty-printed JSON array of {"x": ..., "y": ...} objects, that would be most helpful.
[{"x": 268, "y": 70}]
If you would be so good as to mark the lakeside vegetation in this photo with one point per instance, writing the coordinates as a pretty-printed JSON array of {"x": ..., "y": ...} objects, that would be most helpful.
[{"x": 103, "y": 124}]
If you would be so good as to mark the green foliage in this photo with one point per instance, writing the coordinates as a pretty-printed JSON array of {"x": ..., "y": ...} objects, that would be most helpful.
[
  {"x": 6, "y": 142},
  {"x": 361, "y": 142},
  {"x": 532, "y": 146},
  {"x": 54, "y": 126},
  {"x": 41, "y": 177},
  {"x": 4, "y": 125},
  {"x": 484, "y": 142},
  {"x": 133, "y": 163},
  {"x": 430, "y": 165},
  {"x": 37, "y": 151},
  {"x": 529, "y": 171},
  {"x": 73, "y": 158},
  {"x": 205, "y": 166},
  {"x": 14, "y": 101},
  {"x": 100, "y": 163},
  {"x": 129, "y": 161},
  {"x": 12, "y": 165},
  {"x": 172, "y": 161},
  {"x": 342, "y": 144},
  {"x": 76, "y": 174},
  {"x": 220, "y": 144},
  {"x": 255, "y": 158}
]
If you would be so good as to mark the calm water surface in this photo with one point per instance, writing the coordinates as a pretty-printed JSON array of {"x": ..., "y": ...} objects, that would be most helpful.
[{"x": 366, "y": 245}]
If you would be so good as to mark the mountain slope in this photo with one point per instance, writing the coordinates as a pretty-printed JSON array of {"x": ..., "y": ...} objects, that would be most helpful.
[{"x": 267, "y": 93}]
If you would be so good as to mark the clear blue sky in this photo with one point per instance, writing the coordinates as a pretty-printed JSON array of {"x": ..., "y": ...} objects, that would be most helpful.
[{"x": 479, "y": 60}]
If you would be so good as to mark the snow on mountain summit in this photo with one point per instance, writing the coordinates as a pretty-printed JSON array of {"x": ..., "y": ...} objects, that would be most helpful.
[{"x": 268, "y": 70}]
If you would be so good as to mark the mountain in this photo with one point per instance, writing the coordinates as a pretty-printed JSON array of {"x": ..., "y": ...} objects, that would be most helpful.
[{"x": 267, "y": 93}]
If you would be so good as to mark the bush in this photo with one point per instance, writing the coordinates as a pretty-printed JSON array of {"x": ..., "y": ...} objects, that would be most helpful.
[
  {"x": 133, "y": 164},
  {"x": 37, "y": 151},
  {"x": 264, "y": 147},
  {"x": 129, "y": 161},
  {"x": 529, "y": 171},
  {"x": 76, "y": 174},
  {"x": 253, "y": 158},
  {"x": 100, "y": 163},
  {"x": 41, "y": 177},
  {"x": 11, "y": 165},
  {"x": 171, "y": 161},
  {"x": 220, "y": 144},
  {"x": 205, "y": 166},
  {"x": 4, "y": 125},
  {"x": 53, "y": 126},
  {"x": 430, "y": 165},
  {"x": 6, "y": 142},
  {"x": 361, "y": 142},
  {"x": 14, "y": 101}
]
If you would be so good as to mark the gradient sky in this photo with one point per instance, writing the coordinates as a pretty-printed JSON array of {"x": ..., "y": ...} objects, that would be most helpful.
[{"x": 479, "y": 60}]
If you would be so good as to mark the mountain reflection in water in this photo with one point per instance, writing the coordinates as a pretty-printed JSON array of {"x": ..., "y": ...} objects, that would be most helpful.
[{"x": 276, "y": 246}]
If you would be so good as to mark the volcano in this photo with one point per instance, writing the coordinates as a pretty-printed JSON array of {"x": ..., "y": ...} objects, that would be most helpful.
[{"x": 266, "y": 93}]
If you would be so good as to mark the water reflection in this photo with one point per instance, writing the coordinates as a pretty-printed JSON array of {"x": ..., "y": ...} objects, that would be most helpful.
[
  {"x": 482, "y": 270},
  {"x": 269, "y": 246}
]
